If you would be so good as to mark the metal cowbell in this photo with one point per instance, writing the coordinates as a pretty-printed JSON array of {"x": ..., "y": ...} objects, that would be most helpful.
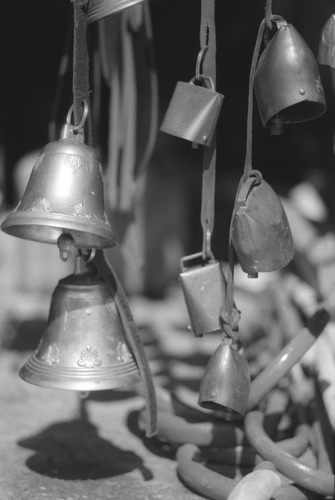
[
  {"x": 193, "y": 111},
  {"x": 64, "y": 197},
  {"x": 204, "y": 287},
  {"x": 84, "y": 347},
  {"x": 226, "y": 381},
  {"x": 261, "y": 234},
  {"x": 287, "y": 82},
  {"x": 326, "y": 49}
]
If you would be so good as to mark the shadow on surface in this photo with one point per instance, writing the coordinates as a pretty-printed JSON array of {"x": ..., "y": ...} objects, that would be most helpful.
[{"x": 73, "y": 450}]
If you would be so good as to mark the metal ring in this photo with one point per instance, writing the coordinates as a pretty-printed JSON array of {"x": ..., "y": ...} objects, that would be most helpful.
[
  {"x": 200, "y": 57},
  {"x": 77, "y": 128}
]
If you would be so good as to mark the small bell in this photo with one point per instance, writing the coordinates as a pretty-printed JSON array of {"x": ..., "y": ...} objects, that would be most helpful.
[
  {"x": 226, "y": 381},
  {"x": 287, "y": 82},
  {"x": 64, "y": 197},
  {"x": 193, "y": 111},
  {"x": 99, "y": 9},
  {"x": 84, "y": 347},
  {"x": 261, "y": 233},
  {"x": 326, "y": 49}
]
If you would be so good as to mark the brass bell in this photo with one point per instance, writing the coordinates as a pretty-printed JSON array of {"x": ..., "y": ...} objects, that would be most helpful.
[
  {"x": 83, "y": 347},
  {"x": 226, "y": 381},
  {"x": 326, "y": 49},
  {"x": 64, "y": 197},
  {"x": 287, "y": 82},
  {"x": 261, "y": 234},
  {"x": 99, "y": 9}
]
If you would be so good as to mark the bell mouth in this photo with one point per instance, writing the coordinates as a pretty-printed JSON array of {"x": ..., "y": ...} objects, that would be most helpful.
[
  {"x": 300, "y": 112},
  {"x": 226, "y": 412},
  {"x": 50, "y": 227}
]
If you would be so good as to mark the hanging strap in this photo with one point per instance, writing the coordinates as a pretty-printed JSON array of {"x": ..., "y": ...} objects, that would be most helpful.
[
  {"x": 132, "y": 336},
  {"x": 80, "y": 84},
  {"x": 208, "y": 51}
]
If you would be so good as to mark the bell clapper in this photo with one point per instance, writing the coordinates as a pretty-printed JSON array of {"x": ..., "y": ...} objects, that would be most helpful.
[
  {"x": 84, "y": 394},
  {"x": 66, "y": 245}
]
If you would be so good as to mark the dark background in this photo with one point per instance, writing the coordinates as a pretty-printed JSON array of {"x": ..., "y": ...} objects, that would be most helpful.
[{"x": 33, "y": 37}]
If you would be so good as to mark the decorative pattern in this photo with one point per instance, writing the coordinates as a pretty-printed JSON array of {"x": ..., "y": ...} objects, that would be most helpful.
[
  {"x": 82, "y": 210},
  {"x": 51, "y": 355},
  {"x": 73, "y": 162},
  {"x": 40, "y": 205},
  {"x": 89, "y": 358},
  {"x": 123, "y": 353}
]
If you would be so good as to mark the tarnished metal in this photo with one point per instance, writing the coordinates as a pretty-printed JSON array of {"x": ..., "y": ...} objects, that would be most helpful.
[
  {"x": 83, "y": 347},
  {"x": 261, "y": 233},
  {"x": 99, "y": 9},
  {"x": 204, "y": 287},
  {"x": 64, "y": 195},
  {"x": 326, "y": 49},
  {"x": 226, "y": 382},
  {"x": 287, "y": 82},
  {"x": 193, "y": 111}
]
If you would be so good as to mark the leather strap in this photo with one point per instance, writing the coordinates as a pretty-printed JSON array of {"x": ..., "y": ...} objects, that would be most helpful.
[{"x": 208, "y": 48}]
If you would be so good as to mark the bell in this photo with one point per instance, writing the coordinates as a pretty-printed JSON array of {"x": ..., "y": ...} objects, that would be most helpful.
[
  {"x": 261, "y": 234},
  {"x": 83, "y": 347},
  {"x": 64, "y": 197},
  {"x": 204, "y": 288},
  {"x": 287, "y": 82},
  {"x": 326, "y": 49},
  {"x": 226, "y": 381},
  {"x": 99, "y": 9},
  {"x": 193, "y": 111}
]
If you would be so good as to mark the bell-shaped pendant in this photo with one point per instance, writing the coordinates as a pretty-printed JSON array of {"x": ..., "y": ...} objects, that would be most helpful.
[
  {"x": 226, "y": 380},
  {"x": 326, "y": 49},
  {"x": 261, "y": 234},
  {"x": 99, "y": 9},
  {"x": 83, "y": 347},
  {"x": 64, "y": 197},
  {"x": 287, "y": 82}
]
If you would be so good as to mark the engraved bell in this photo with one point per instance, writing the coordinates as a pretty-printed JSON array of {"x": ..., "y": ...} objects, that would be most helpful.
[
  {"x": 287, "y": 82},
  {"x": 83, "y": 347},
  {"x": 226, "y": 380},
  {"x": 326, "y": 49},
  {"x": 99, "y": 9},
  {"x": 261, "y": 234},
  {"x": 64, "y": 197}
]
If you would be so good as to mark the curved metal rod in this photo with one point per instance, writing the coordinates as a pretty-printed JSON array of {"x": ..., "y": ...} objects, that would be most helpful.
[
  {"x": 216, "y": 486},
  {"x": 312, "y": 479},
  {"x": 247, "y": 456},
  {"x": 287, "y": 358}
]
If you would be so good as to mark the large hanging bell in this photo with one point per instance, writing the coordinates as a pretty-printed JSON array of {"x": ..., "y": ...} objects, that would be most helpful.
[
  {"x": 287, "y": 82},
  {"x": 83, "y": 347},
  {"x": 326, "y": 49},
  {"x": 64, "y": 196},
  {"x": 226, "y": 380},
  {"x": 261, "y": 234},
  {"x": 99, "y": 9}
]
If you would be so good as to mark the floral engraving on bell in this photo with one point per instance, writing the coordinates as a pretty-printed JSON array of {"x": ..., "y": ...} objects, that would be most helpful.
[
  {"x": 40, "y": 205},
  {"x": 38, "y": 162},
  {"x": 89, "y": 358},
  {"x": 82, "y": 210},
  {"x": 73, "y": 162},
  {"x": 123, "y": 353},
  {"x": 51, "y": 355}
]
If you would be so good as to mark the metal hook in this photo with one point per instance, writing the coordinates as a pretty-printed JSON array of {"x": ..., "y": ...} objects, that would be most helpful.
[
  {"x": 200, "y": 58},
  {"x": 77, "y": 128}
]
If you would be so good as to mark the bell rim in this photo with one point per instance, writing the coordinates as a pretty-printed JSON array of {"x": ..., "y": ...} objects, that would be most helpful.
[
  {"x": 16, "y": 220},
  {"x": 100, "y": 10},
  {"x": 42, "y": 374}
]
